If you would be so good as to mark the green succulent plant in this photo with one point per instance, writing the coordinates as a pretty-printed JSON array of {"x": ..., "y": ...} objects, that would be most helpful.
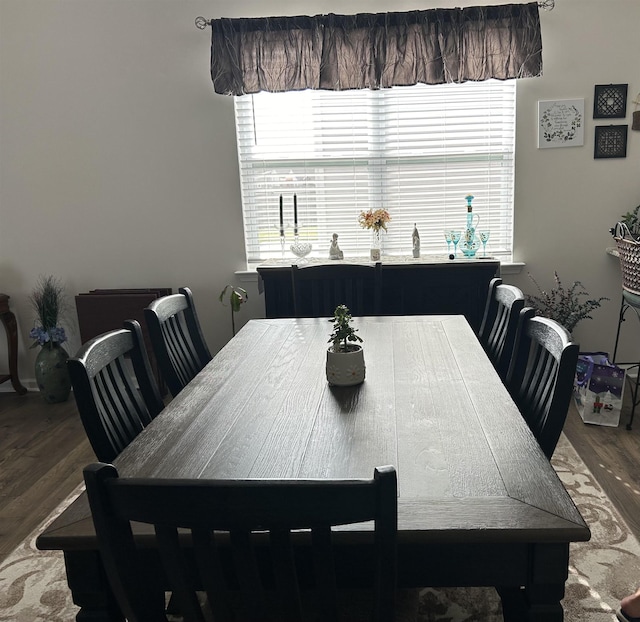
[{"x": 343, "y": 332}]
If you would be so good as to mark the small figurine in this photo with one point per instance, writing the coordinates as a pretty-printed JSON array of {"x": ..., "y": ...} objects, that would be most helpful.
[
  {"x": 334, "y": 249},
  {"x": 416, "y": 241}
]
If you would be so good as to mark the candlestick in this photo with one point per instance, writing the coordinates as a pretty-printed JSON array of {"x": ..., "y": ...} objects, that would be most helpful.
[
  {"x": 281, "y": 219},
  {"x": 295, "y": 215}
]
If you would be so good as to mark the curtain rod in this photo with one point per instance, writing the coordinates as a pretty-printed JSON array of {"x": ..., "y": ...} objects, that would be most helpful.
[{"x": 547, "y": 5}]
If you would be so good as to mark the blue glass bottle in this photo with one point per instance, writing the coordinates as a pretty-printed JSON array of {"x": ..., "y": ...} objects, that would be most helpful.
[{"x": 470, "y": 242}]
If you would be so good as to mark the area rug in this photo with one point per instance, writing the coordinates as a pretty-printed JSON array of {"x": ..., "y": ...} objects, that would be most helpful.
[{"x": 33, "y": 585}]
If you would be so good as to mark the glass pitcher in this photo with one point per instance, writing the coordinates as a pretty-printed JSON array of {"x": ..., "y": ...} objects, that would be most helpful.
[{"x": 470, "y": 242}]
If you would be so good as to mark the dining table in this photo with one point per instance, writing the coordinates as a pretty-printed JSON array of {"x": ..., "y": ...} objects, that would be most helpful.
[{"x": 478, "y": 502}]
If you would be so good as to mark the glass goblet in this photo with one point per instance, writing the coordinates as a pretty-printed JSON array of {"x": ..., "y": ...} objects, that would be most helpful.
[
  {"x": 484, "y": 238},
  {"x": 455, "y": 238},
  {"x": 447, "y": 237}
]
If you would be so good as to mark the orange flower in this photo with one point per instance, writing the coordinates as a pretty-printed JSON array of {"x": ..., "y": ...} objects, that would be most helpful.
[{"x": 374, "y": 219}]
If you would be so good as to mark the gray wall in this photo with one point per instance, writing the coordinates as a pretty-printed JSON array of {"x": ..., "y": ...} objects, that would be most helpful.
[{"x": 118, "y": 163}]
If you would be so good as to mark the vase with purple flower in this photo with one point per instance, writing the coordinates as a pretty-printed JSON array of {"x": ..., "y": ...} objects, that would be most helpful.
[{"x": 52, "y": 377}]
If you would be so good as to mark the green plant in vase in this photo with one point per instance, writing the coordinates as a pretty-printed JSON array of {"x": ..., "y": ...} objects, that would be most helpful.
[
  {"x": 236, "y": 297},
  {"x": 48, "y": 302},
  {"x": 632, "y": 221}
]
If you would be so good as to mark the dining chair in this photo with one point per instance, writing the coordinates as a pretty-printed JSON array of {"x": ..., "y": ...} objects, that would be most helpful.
[
  {"x": 500, "y": 323},
  {"x": 318, "y": 290},
  {"x": 114, "y": 389},
  {"x": 253, "y": 567},
  {"x": 176, "y": 338},
  {"x": 541, "y": 376}
]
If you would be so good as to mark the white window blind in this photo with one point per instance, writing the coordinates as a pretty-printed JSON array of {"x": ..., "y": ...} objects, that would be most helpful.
[{"x": 416, "y": 151}]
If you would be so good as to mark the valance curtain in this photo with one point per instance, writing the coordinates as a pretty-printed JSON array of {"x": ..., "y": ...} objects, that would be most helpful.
[{"x": 338, "y": 52}]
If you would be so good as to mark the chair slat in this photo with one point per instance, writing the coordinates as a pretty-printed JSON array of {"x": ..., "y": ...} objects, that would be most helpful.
[
  {"x": 175, "y": 566},
  {"x": 325, "y": 570},
  {"x": 210, "y": 569},
  {"x": 253, "y": 605},
  {"x": 285, "y": 575}
]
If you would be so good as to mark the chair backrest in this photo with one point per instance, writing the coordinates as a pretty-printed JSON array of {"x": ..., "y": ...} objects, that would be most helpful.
[
  {"x": 318, "y": 290},
  {"x": 114, "y": 389},
  {"x": 500, "y": 324},
  {"x": 177, "y": 338},
  {"x": 253, "y": 565},
  {"x": 541, "y": 376}
]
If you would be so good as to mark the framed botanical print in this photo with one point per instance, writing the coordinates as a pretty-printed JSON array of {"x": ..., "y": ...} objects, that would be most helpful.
[{"x": 560, "y": 123}]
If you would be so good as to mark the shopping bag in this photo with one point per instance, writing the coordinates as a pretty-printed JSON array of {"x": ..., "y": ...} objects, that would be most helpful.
[{"x": 598, "y": 389}]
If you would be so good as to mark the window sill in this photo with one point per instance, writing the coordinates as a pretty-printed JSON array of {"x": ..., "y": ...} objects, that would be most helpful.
[{"x": 250, "y": 275}]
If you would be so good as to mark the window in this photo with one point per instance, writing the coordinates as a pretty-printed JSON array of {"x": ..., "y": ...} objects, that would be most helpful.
[{"x": 416, "y": 151}]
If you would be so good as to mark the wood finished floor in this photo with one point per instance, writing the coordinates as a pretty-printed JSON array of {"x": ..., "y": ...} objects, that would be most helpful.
[{"x": 43, "y": 450}]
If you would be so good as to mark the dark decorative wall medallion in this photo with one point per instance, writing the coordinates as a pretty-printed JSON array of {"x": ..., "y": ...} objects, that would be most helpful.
[
  {"x": 610, "y": 101},
  {"x": 610, "y": 141}
]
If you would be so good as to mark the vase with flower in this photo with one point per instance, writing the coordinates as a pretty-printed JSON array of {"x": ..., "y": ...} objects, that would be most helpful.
[
  {"x": 52, "y": 377},
  {"x": 376, "y": 221}
]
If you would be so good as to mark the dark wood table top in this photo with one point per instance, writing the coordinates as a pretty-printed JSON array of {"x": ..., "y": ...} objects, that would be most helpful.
[{"x": 432, "y": 405}]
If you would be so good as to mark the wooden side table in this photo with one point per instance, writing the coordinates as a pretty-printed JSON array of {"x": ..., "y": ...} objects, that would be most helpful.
[{"x": 11, "y": 328}]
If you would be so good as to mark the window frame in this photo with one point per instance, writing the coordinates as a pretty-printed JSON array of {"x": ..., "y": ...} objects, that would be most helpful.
[{"x": 374, "y": 177}]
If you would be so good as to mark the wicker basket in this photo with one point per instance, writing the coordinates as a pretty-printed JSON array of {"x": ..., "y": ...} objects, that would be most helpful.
[{"x": 629, "y": 252}]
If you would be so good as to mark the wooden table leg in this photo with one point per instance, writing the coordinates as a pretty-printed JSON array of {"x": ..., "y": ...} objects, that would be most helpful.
[
  {"x": 90, "y": 589},
  {"x": 539, "y": 600},
  {"x": 9, "y": 321}
]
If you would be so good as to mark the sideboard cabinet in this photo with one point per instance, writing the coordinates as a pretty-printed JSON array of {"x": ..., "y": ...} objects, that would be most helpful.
[{"x": 409, "y": 286}]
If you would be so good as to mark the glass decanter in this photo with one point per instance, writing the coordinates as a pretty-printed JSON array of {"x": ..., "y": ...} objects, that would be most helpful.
[{"x": 470, "y": 242}]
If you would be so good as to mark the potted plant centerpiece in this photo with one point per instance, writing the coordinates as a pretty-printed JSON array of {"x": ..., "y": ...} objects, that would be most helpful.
[
  {"x": 345, "y": 358},
  {"x": 52, "y": 377}
]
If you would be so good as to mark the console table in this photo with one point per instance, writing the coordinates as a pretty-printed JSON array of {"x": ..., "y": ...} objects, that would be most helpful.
[
  {"x": 424, "y": 286},
  {"x": 11, "y": 328},
  {"x": 102, "y": 310}
]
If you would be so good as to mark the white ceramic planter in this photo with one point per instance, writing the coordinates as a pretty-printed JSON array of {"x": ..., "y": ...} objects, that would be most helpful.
[{"x": 345, "y": 368}]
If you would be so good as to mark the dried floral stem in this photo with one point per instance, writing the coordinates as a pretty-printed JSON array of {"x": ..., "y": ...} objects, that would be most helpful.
[
  {"x": 564, "y": 305},
  {"x": 47, "y": 300}
]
